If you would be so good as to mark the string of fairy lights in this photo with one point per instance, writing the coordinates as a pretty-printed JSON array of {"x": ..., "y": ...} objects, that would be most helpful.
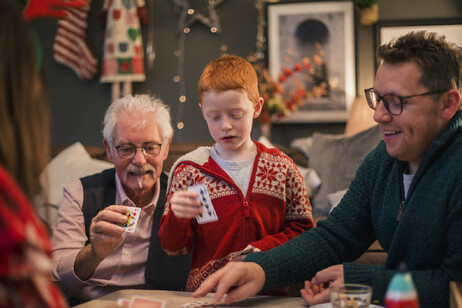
[{"x": 189, "y": 16}]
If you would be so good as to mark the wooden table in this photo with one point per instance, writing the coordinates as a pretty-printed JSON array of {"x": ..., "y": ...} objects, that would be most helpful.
[
  {"x": 456, "y": 294},
  {"x": 177, "y": 299}
]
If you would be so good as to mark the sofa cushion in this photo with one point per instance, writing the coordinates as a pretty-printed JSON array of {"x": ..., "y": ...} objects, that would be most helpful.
[
  {"x": 70, "y": 164},
  {"x": 336, "y": 159}
]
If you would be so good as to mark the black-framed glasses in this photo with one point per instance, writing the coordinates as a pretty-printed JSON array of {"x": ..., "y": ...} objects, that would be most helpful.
[
  {"x": 128, "y": 151},
  {"x": 393, "y": 103}
]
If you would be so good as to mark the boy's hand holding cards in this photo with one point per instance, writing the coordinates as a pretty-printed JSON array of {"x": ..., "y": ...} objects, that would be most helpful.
[
  {"x": 133, "y": 214},
  {"x": 209, "y": 213}
]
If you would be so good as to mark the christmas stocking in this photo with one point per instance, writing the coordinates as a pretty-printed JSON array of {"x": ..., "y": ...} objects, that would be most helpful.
[{"x": 70, "y": 47}]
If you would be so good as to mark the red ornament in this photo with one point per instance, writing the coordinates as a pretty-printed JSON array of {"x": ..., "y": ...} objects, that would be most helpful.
[
  {"x": 297, "y": 67},
  {"x": 287, "y": 71}
]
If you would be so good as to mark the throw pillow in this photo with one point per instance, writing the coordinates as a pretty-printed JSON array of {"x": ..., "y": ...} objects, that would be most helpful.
[
  {"x": 70, "y": 164},
  {"x": 336, "y": 159},
  {"x": 311, "y": 179}
]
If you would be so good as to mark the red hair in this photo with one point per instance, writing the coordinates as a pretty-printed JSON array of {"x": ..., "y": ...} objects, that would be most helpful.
[{"x": 229, "y": 73}]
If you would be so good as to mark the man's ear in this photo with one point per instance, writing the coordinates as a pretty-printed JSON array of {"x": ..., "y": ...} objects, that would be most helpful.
[
  {"x": 258, "y": 107},
  {"x": 451, "y": 103},
  {"x": 107, "y": 146}
]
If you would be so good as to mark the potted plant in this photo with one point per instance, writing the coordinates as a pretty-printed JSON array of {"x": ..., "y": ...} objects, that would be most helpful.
[{"x": 368, "y": 11}]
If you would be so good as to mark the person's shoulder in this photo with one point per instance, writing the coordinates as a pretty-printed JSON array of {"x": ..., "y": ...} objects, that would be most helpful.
[
  {"x": 272, "y": 152},
  {"x": 198, "y": 156}
]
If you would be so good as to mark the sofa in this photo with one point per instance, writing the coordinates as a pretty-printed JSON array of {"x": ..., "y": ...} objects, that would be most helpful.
[{"x": 327, "y": 162}]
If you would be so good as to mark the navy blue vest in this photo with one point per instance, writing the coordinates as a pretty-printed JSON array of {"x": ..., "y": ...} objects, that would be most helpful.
[{"x": 162, "y": 271}]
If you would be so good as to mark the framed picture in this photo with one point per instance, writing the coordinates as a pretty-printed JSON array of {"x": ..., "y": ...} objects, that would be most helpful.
[
  {"x": 311, "y": 55},
  {"x": 388, "y": 30}
]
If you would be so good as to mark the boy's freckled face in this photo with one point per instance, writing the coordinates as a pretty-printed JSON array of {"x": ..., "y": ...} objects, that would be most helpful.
[{"x": 229, "y": 116}]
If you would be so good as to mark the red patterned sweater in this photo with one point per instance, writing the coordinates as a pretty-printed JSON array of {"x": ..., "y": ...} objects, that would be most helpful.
[{"x": 275, "y": 209}]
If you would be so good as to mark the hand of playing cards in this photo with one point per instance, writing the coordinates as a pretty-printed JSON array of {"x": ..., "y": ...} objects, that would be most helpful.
[{"x": 209, "y": 213}]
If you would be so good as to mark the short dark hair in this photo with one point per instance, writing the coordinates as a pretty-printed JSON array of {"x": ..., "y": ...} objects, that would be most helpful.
[{"x": 439, "y": 60}]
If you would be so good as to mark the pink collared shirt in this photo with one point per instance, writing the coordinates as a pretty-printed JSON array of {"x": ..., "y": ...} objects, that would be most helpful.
[{"x": 123, "y": 268}]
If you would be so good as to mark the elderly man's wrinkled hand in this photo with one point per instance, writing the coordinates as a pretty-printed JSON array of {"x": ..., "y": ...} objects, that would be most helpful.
[{"x": 105, "y": 230}]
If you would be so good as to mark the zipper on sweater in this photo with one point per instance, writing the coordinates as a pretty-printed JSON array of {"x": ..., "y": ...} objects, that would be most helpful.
[
  {"x": 400, "y": 211},
  {"x": 401, "y": 192}
]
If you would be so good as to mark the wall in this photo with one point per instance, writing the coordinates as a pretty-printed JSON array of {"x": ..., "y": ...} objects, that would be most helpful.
[{"x": 78, "y": 106}]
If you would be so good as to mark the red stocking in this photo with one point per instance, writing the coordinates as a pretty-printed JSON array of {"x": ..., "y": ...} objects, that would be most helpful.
[
  {"x": 70, "y": 47},
  {"x": 49, "y": 8}
]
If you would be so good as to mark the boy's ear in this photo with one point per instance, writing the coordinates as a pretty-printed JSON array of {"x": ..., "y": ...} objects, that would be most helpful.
[{"x": 258, "y": 107}]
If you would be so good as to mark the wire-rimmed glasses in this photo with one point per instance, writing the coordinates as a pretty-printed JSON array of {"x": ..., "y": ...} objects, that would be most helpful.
[{"x": 128, "y": 151}]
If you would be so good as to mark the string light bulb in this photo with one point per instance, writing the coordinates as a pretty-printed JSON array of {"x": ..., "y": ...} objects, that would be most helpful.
[{"x": 188, "y": 17}]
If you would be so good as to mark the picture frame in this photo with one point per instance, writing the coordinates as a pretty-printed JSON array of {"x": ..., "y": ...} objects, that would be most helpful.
[
  {"x": 387, "y": 30},
  {"x": 311, "y": 53}
]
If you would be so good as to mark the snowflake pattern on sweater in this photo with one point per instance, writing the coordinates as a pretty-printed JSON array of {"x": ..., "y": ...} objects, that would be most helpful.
[{"x": 275, "y": 209}]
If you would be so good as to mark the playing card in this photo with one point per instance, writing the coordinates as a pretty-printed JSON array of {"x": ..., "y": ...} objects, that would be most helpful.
[
  {"x": 209, "y": 213},
  {"x": 146, "y": 302},
  {"x": 124, "y": 302},
  {"x": 196, "y": 304},
  {"x": 133, "y": 214}
]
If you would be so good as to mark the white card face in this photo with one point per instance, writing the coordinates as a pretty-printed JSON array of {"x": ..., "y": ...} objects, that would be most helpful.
[
  {"x": 133, "y": 214},
  {"x": 209, "y": 213},
  {"x": 197, "y": 304}
]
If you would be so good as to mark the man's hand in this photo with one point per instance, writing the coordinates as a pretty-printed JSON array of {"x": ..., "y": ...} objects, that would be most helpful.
[
  {"x": 249, "y": 278},
  {"x": 186, "y": 204},
  {"x": 105, "y": 235},
  {"x": 315, "y": 291}
]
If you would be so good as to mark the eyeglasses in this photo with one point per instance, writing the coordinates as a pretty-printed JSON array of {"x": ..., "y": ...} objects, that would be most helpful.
[
  {"x": 128, "y": 151},
  {"x": 393, "y": 103}
]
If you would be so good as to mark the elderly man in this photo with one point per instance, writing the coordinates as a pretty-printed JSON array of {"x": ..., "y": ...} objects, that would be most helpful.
[
  {"x": 407, "y": 193},
  {"x": 93, "y": 253}
]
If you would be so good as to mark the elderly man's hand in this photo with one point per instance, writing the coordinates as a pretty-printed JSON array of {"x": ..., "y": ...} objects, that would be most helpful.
[
  {"x": 249, "y": 278},
  {"x": 105, "y": 235},
  {"x": 105, "y": 232}
]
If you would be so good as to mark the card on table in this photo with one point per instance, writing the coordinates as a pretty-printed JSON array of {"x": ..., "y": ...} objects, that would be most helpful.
[
  {"x": 209, "y": 213},
  {"x": 197, "y": 304},
  {"x": 133, "y": 214},
  {"x": 124, "y": 302},
  {"x": 146, "y": 302}
]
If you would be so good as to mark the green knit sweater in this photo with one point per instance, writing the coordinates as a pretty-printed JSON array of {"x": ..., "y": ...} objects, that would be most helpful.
[{"x": 428, "y": 237}]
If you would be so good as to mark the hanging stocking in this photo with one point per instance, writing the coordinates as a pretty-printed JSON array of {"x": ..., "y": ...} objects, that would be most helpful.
[
  {"x": 70, "y": 47},
  {"x": 49, "y": 8}
]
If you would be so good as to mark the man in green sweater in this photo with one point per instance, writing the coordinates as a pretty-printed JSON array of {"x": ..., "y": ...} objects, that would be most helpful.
[{"x": 407, "y": 193}]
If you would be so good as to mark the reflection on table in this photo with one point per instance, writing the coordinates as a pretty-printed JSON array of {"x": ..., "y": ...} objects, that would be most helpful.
[{"x": 178, "y": 299}]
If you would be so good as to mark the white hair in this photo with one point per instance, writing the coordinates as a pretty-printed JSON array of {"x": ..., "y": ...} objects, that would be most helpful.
[{"x": 144, "y": 104}]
